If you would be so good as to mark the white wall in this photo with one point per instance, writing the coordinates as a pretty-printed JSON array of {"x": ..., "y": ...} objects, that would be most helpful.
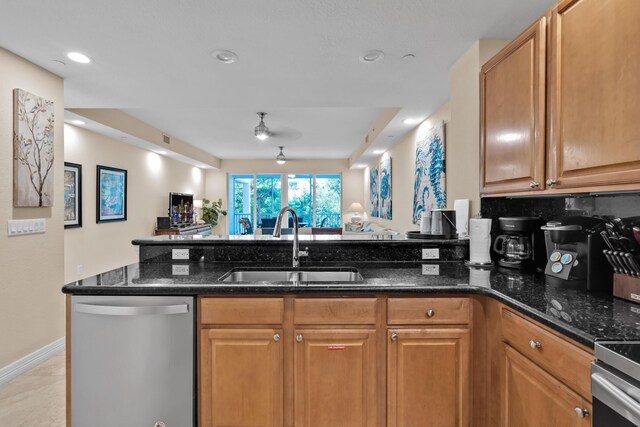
[
  {"x": 31, "y": 304},
  {"x": 101, "y": 247},
  {"x": 217, "y": 179}
]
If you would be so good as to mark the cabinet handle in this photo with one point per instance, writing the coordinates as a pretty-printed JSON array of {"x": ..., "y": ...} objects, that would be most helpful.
[
  {"x": 535, "y": 345},
  {"x": 551, "y": 182},
  {"x": 299, "y": 338},
  {"x": 534, "y": 184},
  {"x": 394, "y": 337},
  {"x": 430, "y": 313},
  {"x": 581, "y": 412},
  {"x": 276, "y": 337}
]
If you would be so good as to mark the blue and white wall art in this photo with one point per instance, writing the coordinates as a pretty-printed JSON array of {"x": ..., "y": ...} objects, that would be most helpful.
[
  {"x": 386, "y": 211},
  {"x": 429, "y": 182},
  {"x": 374, "y": 193}
]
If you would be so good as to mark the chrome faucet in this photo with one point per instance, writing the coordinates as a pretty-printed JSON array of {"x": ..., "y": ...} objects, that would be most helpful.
[{"x": 297, "y": 253}]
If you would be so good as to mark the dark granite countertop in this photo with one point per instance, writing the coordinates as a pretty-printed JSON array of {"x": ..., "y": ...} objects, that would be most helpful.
[
  {"x": 582, "y": 316},
  {"x": 219, "y": 240}
]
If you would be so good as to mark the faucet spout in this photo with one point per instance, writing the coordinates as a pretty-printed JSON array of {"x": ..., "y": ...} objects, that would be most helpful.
[{"x": 277, "y": 232}]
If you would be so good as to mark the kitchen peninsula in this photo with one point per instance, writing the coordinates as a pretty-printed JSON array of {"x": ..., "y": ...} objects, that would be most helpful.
[{"x": 406, "y": 338}]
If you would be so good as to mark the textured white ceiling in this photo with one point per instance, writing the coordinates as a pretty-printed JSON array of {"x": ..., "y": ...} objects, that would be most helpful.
[{"x": 298, "y": 62}]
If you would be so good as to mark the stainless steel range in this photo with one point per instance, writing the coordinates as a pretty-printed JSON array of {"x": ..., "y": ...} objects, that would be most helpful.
[{"x": 615, "y": 384}]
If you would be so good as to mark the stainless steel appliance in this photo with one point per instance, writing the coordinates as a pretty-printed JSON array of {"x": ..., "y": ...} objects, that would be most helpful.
[
  {"x": 574, "y": 253},
  {"x": 132, "y": 361},
  {"x": 615, "y": 384},
  {"x": 517, "y": 245}
]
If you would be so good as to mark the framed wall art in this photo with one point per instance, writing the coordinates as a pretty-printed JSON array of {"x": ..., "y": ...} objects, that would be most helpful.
[
  {"x": 33, "y": 151},
  {"x": 429, "y": 188},
  {"x": 374, "y": 192},
  {"x": 111, "y": 194},
  {"x": 386, "y": 210},
  {"x": 72, "y": 195}
]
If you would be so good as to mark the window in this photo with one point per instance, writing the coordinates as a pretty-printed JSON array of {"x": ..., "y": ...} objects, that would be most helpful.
[
  {"x": 300, "y": 198},
  {"x": 257, "y": 200},
  {"x": 328, "y": 206}
]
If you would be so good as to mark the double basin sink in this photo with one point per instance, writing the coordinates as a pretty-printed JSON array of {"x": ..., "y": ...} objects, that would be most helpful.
[{"x": 303, "y": 275}]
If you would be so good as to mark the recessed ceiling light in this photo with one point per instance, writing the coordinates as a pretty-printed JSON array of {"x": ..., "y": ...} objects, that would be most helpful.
[
  {"x": 378, "y": 151},
  {"x": 371, "y": 56},
  {"x": 78, "y": 57},
  {"x": 59, "y": 62},
  {"x": 77, "y": 122},
  {"x": 411, "y": 121},
  {"x": 161, "y": 152},
  {"x": 225, "y": 56},
  {"x": 408, "y": 57}
]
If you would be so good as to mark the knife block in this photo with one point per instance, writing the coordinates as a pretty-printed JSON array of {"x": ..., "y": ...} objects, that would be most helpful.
[{"x": 626, "y": 287}]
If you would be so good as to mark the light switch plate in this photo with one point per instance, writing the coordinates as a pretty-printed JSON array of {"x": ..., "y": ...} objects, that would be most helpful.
[
  {"x": 430, "y": 253},
  {"x": 19, "y": 227},
  {"x": 180, "y": 254}
]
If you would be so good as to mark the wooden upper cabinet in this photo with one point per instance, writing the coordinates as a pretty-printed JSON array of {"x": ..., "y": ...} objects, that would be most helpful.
[
  {"x": 512, "y": 115},
  {"x": 241, "y": 378},
  {"x": 335, "y": 378},
  {"x": 595, "y": 93},
  {"x": 428, "y": 377},
  {"x": 533, "y": 398}
]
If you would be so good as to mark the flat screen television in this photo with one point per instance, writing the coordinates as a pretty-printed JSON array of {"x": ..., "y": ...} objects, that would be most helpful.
[{"x": 181, "y": 209}]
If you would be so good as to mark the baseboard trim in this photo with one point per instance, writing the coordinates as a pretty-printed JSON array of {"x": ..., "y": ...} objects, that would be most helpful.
[{"x": 30, "y": 361}]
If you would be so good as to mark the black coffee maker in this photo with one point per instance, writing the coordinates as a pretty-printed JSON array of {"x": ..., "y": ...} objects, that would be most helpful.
[
  {"x": 518, "y": 245},
  {"x": 574, "y": 253}
]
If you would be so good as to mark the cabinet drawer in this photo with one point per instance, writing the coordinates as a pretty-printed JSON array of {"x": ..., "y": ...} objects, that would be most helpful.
[
  {"x": 428, "y": 311},
  {"x": 241, "y": 311},
  {"x": 334, "y": 311},
  {"x": 564, "y": 360}
]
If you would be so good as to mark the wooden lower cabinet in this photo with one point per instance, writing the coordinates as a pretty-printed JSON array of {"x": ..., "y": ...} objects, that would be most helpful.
[
  {"x": 533, "y": 398},
  {"x": 335, "y": 378},
  {"x": 241, "y": 378},
  {"x": 428, "y": 377}
]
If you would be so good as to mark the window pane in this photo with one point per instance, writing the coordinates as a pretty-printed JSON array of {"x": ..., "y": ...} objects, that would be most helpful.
[
  {"x": 241, "y": 215},
  {"x": 328, "y": 198},
  {"x": 268, "y": 189},
  {"x": 300, "y": 198}
]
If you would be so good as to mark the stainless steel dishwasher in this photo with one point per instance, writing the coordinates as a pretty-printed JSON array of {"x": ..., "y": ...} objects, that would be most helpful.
[{"x": 132, "y": 361}]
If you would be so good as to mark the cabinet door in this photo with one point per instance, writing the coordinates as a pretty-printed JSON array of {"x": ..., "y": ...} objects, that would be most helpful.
[
  {"x": 428, "y": 378},
  {"x": 241, "y": 378},
  {"x": 512, "y": 115},
  {"x": 595, "y": 82},
  {"x": 335, "y": 378},
  {"x": 533, "y": 398}
]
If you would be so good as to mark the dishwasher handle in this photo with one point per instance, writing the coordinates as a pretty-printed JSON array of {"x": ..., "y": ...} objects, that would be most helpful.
[
  {"x": 120, "y": 310},
  {"x": 612, "y": 395}
]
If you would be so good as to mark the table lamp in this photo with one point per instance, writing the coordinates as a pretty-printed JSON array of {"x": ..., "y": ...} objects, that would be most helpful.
[{"x": 356, "y": 209}]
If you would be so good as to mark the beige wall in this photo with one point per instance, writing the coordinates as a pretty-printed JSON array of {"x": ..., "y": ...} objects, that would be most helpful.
[
  {"x": 462, "y": 129},
  {"x": 463, "y": 137},
  {"x": 403, "y": 166},
  {"x": 31, "y": 304},
  {"x": 217, "y": 179},
  {"x": 101, "y": 247}
]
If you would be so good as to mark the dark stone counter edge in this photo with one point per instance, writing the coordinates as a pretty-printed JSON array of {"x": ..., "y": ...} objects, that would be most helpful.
[
  {"x": 220, "y": 290},
  {"x": 205, "y": 242}
]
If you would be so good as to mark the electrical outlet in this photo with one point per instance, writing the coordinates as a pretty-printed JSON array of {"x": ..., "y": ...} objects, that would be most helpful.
[
  {"x": 180, "y": 254},
  {"x": 18, "y": 227},
  {"x": 430, "y": 253},
  {"x": 430, "y": 269},
  {"x": 180, "y": 270}
]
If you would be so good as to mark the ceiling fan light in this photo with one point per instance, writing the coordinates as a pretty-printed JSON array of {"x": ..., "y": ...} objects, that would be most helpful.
[
  {"x": 262, "y": 131},
  {"x": 280, "y": 158}
]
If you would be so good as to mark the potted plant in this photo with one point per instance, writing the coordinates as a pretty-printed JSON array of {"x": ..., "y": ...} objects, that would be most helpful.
[{"x": 211, "y": 211}]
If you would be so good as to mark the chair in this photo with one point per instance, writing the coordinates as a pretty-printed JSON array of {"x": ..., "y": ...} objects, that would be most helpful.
[{"x": 268, "y": 223}]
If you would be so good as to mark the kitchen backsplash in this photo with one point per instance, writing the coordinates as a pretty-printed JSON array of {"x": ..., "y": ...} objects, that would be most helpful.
[{"x": 547, "y": 208}]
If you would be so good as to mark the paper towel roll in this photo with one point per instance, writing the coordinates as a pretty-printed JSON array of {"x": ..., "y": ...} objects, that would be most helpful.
[{"x": 479, "y": 240}]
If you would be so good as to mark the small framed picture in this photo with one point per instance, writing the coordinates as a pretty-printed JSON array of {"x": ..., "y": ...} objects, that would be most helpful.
[
  {"x": 72, "y": 195},
  {"x": 111, "y": 194}
]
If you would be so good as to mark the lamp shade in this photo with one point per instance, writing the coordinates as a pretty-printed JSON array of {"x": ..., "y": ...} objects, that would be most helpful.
[
  {"x": 197, "y": 203},
  {"x": 355, "y": 207}
]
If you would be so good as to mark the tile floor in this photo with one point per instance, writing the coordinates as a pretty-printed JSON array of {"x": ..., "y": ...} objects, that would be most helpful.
[{"x": 36, "y": 398}]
